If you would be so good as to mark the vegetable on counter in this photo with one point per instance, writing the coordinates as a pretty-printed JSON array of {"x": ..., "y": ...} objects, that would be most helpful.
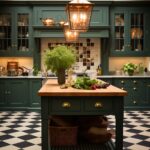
[{"x": 89, "y": 84}]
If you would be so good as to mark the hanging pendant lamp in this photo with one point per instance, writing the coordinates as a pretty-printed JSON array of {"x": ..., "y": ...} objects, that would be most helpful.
[{"x": 79, "y": 14}]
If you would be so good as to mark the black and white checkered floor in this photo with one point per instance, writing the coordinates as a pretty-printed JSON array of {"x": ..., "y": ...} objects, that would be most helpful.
[{"x": 22, "y": 130}]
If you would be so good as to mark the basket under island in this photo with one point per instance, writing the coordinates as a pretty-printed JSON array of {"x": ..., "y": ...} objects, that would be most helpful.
[{"x": 71, "y": 101}]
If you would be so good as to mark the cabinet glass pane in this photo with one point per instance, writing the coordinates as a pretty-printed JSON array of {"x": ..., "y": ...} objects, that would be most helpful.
[
  {"x": 119, "y": 32},
  {"x": 5, "y": 32},
  {"x": 137, "y": 32},
  {"x": 23, "y": 32}
]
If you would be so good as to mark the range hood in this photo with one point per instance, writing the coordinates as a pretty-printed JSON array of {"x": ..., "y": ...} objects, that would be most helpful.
[{"x": 93, "y": 32}]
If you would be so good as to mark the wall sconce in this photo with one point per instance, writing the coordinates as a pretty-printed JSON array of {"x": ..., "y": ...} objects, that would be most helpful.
[
  {"x": 70, "y": 35},
  {"x": 79, "y": 14}
]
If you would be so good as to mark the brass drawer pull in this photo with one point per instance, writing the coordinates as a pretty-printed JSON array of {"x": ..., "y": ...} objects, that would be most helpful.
[
  {"x": 122, "y": 88},
  {"x": 98, "y": 105},
  {"x": 134, "y": 102},
  {"x": 134, "y": 88},
  {"x": 134, "y": 81},
  {"x": 122, "y": 82},
  {"x": 66, "y": 105}
]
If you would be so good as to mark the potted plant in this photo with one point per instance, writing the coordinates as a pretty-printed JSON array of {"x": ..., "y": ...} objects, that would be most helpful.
[
  {"x": 129, "y": 68},
  {"x": 59, "y": 59}
]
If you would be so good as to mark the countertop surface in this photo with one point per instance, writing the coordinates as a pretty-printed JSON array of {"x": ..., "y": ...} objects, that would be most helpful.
[
  {"x": 51, "y": 88},
  {"x": 102, "y": 76}
]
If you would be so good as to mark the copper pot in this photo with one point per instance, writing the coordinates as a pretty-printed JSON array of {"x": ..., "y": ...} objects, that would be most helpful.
[{"x": 12, "y": 68}]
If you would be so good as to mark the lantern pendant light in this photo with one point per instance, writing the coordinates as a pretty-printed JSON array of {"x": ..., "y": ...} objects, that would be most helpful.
[
  {"x": 79, "y": 14},
  {"x": 70, "y": 35}
]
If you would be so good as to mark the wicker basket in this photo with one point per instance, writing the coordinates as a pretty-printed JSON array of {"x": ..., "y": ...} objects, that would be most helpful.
[{"x": 63, "y": 136}]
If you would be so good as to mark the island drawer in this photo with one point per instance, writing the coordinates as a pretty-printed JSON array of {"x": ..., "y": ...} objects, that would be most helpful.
[
  {"x": 98, "y": 104},
  {"x": 65, "y": 104}
]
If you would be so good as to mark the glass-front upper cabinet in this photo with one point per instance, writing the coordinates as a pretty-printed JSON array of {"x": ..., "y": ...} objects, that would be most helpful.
[
  {"x": 137, "y": 31},
  {"x": 15, "y": 32},
  {"x": 119, "y": 32},
  {"x": 23, "y": 32},
  {"x": 129, "y": 30},
  {"x": 5, "y": 31}
]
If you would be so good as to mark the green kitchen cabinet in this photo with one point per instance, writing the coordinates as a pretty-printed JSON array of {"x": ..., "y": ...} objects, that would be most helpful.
[
  {"x": 35, "y": 85},
  {"x": 3, "y": 101},
  {"x": 130, "y": 31},
  {"x": 15, "y": 31},
  {"x": 147, "y": 100},
  {"x": 99, "y": 18},
  {"x": 135, "y": 87},
  {"x": 13, "y": 93}
]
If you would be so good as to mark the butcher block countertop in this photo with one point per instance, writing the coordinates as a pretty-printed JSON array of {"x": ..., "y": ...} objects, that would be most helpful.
[{"x": 51, "y": 88}]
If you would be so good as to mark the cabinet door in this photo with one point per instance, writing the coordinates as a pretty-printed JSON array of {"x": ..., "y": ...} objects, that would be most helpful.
[
  {"x": 129, "y": 31},
  {"x": 18, "y": 93},
  {"x": 147, "y": 100},
  {"x": 23, "y": 39},
  {"x": 35, "y": 85},
  {"x": 6, "y": 31},
  {"x": 3, "y": 92},
  {"x": 15, "y": 31}
]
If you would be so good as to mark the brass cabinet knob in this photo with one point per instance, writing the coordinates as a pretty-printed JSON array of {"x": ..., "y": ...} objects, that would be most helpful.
[
  {"x": 122, "y": 88},
  {"x": 135, "y": 81},
  {"x": 134, "y": 88},
  {"x": 98, "y": 105},
  {"x": 66, "y": 105},
  {"x": 122, "y": 82},
  {"x": 134, "y": 102}
]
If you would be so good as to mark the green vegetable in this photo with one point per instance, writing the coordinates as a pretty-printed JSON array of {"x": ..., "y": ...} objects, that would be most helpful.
[{"x": 84, "y": 83}]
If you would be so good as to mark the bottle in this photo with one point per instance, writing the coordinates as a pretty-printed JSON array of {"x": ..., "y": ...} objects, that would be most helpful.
[{"x": 99, "y": 70}]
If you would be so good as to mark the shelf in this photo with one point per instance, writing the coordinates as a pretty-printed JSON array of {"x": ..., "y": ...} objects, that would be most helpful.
[{"x": 107, "y": 146}]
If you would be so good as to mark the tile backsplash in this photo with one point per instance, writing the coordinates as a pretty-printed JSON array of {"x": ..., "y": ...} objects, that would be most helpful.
[{"x": 87, "y": 50}]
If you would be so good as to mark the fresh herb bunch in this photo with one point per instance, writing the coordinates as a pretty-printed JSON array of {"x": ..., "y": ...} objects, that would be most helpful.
[
  {"x": 61, "y": 57},
  {"x": 89, "y": 84}
]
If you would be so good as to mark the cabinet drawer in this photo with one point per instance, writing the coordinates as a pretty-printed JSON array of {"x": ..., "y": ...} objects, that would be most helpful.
[
  {"x": 66, "y": 105},
  {"x": 98, "y": 104}
]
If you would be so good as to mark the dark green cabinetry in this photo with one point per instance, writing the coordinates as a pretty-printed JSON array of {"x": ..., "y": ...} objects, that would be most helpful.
[
  {"x": 15, "y": 31},
  {"x": 130, "y": 31},
  {"x": 99, "y": 18},
  {"x": 14, "y": 93},
  {"x": 3, "y": 93},
  {"x": 19, "y": 94},
  {"x": 138, "y": 92},
  {"x": 35, "y": 85}
]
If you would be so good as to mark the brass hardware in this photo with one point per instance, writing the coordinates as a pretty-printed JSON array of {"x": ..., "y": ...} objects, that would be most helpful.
[
  {"x": 122, "y": 82},
  {"x": 134, "y": 81},
  {"x": 134, "y": 102},
  {"x": 66, "y": 105},
  {"x": 122, "y": 88},
  {"x": 98, "y": 105},
  {"x": 134, "y": 88}
]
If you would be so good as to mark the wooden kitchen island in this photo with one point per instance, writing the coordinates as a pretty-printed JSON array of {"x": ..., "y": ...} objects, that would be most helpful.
[{"x": 70, "y": 101}]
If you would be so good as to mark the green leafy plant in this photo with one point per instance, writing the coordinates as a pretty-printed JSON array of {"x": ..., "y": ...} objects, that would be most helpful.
[
  {"x": 35, "y": 70},
  {"x": 61, "y": 57},
  {"x": 129, "y": 68}
]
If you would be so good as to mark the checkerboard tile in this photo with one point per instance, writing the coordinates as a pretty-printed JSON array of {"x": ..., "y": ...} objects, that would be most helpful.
[{"x": 22, "y": 130}]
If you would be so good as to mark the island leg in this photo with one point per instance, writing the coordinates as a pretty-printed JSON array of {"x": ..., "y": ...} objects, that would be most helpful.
[
  {"x": 44, "y": 122},
  {"x": 119, "y": 111}
]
